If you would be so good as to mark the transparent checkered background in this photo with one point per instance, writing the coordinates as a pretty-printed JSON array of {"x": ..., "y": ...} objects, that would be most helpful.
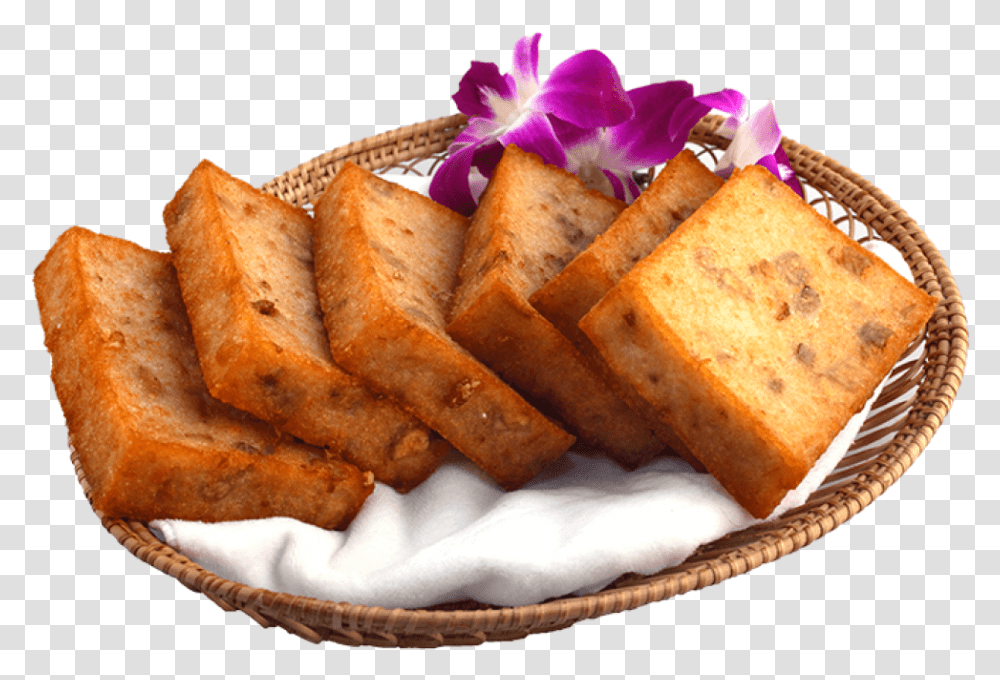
[{"x": 105, "y": 109}]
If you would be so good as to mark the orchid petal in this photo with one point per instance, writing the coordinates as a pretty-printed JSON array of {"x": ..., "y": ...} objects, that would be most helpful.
[
  {"x": 633, "y": 188},
  {"x": 585, "y": 90},
  {"x": 771, "y": 163},
  {"x": 685, "y": 117},
  {"x": 724, "y": 172},
  {"x": 689, "y": 112},
  {"x": 757, "y": 141},
  {"x": 613, "y": 183},
  {"x": 586, "y": 151},
  {"x": 757, "y": 137},
  {"x": 477, "y": 184},
  {"x": 644, "y": 140},
  {"x": 729, "y": 127},
  {"x": 637, "y": 143},
  {"x": 486, "y": 158},
  {"x": 728, "y": 101},
  {"x": 478, "y": 129},
  {"x": 787, "y": 173},
  {"x": 784, "y": 164},
  {"x": 533, "y": 133},
  {"x": 525, "y": 69},
  {"x": 624, "y": 185},
  {"x": 511, "y": 84},
  {"x": 570, "y": 135},
  {"x": 616, "y": 184},
  {"x": 477, "y": 84},
  {"x": 782, "y": 172},
  {"x": 450, "y": 185}
]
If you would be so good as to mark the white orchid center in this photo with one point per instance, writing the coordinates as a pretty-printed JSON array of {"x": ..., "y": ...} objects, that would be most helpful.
[{"x": 507, "y": 111}]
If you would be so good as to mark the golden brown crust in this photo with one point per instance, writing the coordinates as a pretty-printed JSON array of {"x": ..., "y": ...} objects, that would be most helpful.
[
  {"x": 533, "y": 219},
  {"x": 153, "y": 443},
  {"x": 245, "y": 264},
  {"x": 386, "y": 261},
  {"x": 503, "y": 331},
  {"x": 757, "y": 330},
  {"x": 682, "y": 187},
  {"x": 678, "y": 190}
]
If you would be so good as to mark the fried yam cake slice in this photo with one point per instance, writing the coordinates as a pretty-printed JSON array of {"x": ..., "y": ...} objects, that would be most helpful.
[
  {"x": 531, "y": 221},
  {"x": 386, "y": 261},
  {"x": 678, "y": 190},
  {"x": 152, "y": 442},
  {"x": 757, "y": 330},
  {"x": 675, "y": 193},
  {"x": 245, "y": 264}
]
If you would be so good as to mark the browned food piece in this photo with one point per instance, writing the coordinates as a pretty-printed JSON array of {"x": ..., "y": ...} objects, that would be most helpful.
[
  {"x": 680, "y": 189},
  {"x": 151, "y": 440},
  {"x": 532, "y": 219},
  {"x": 758, "y": 329},
  {"x": 386, "y": 260},
  {"x": 245, "y": 264}
]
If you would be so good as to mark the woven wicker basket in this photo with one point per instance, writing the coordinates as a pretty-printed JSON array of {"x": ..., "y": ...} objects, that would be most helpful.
[{"x": 891, "y": 438}]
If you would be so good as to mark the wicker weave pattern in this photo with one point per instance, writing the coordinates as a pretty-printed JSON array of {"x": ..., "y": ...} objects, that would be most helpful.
[{"x": 887, "y": 445}]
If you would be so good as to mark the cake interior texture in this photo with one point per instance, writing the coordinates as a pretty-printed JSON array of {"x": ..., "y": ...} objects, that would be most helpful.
[
  {"x": 152, "y": 442},
  {"x": 757, "y": 330}
]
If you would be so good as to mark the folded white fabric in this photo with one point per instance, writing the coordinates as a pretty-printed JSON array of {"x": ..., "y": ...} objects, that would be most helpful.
[{"x": 579, "y": 525}]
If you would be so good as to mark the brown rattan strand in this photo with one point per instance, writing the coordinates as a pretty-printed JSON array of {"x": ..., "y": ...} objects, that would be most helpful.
[{"x": 932, "y": 375}]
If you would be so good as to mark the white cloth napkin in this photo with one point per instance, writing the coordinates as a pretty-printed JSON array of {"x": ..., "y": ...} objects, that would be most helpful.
[{"x": 579, "y": 525}]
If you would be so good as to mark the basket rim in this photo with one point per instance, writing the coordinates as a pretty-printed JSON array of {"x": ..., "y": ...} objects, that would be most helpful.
[{"x": 473, "y": 623}]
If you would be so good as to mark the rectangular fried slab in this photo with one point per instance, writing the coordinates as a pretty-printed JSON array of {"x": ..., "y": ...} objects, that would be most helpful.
[
  {"x": 152, "y": 442},
  {"x": 386, "y": 261},
  {"x": 531, "y": 221},
  {"x": 678, "y": 190},
  {"x": 675, "y": 193},
  {"x": 245, "y": 263},
  {"x": 757, "y": 330}
]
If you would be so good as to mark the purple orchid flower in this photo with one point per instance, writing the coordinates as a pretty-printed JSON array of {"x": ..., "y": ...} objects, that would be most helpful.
[
  {"x": 584, "y": 91},
  {"x": 756, "y": 138},
  {"x": 605, "y": 158}
]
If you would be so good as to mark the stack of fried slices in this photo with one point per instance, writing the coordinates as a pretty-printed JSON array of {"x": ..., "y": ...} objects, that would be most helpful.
[{"x": 278, "y": 363}]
